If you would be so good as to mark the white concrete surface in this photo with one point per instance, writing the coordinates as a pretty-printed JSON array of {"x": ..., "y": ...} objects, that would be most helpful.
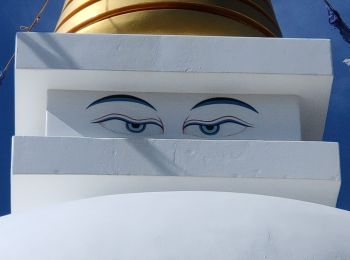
[
  {"x": 275, "y": 117},
  {"x": 176, "y": 157},
  {"x": 181, "y": 225},
  {"x": 181, "y": 64},
  {"x": 53, "y": 169}
]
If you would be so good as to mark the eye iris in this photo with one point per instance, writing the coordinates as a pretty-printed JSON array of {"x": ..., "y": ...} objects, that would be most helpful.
[
  {"x": 209, "y": 129},
  {"x": 135, "y": 127}
]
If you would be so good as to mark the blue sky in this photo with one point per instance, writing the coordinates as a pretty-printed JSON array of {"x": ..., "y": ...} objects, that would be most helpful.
[{"x": 297, "y": 18}]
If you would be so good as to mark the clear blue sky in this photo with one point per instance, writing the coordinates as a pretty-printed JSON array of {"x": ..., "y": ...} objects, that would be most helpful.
[{"x": 298, "y": 19}]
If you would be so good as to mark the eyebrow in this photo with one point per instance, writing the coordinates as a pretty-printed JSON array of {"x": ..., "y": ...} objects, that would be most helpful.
[
  {"x": 121, "y": 98},
  {"x": 224, "y": 100}
]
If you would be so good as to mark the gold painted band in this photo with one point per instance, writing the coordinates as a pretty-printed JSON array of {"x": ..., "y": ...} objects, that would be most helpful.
[
  {"x": 77, "y": 10},
  {"x": 91, "y": 2},
  {"x": 175, "y": 5},
  {"x": 67, "y": 4}
]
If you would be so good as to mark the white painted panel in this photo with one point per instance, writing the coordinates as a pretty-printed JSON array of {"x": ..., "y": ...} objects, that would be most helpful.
[
  {"x": 57, "y": 127},
  {"x": 176, "y": 157},
  {"x": 166, "y": 53},
  {"x": 173, "y": 115},
  {"x": 73, "y": 168}
]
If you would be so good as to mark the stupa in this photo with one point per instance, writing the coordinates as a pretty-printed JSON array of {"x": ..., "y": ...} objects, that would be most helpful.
[
  {"x": 197, "y": 127},
  {"x": 196, "y": 17}
]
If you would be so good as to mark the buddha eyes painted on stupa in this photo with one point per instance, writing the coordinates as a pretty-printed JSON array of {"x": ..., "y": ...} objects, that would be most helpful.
[
  {"x": 105, "y": 114},
  {"x": 121, "y": 121},
  {"x": 202, "y": 121}
]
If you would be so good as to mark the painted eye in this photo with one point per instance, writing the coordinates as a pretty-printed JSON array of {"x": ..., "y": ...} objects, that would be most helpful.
[
  {"x": 209, "y": 129},
  {"x": 219, "y": 127},
  {"x": 135, "y": 127},
  {"x": 122, "y": 124}
]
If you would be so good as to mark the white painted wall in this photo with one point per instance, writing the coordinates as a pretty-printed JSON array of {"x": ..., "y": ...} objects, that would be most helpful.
[
  {"x": 171, "y": 64},
  {"x": 276, "y": 117},
  {"x": 48, "y": 170}
]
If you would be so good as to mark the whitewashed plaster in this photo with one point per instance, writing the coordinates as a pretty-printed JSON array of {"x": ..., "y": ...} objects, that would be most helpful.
[
  {"x": 52, "y": 169},
  {"x": 170, "y": 115},
  {"x": 178, "y": 225},
  {"x": 171, "y": 64}
]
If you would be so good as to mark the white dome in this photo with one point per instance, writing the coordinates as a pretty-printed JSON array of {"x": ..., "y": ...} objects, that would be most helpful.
[{"x": 178, "y": 225}]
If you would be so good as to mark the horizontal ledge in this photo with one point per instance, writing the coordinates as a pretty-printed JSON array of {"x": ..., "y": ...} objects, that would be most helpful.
[
  {"x": 175, "y": 157},
  {"x": 204, "y": 54}
]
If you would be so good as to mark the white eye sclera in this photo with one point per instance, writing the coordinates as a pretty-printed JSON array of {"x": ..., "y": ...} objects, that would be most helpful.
[
  {"x": 122, "y": 124},
  {"x": 219, "y": 127}
]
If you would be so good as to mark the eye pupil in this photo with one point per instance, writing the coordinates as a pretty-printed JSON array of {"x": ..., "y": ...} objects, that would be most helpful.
[
  {"x": 209, "y": 129},
  {"x": 135, "y": 127}
]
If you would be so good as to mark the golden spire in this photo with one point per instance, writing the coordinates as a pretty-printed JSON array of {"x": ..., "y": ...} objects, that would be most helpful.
[{"x": 192, "y": 17}]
